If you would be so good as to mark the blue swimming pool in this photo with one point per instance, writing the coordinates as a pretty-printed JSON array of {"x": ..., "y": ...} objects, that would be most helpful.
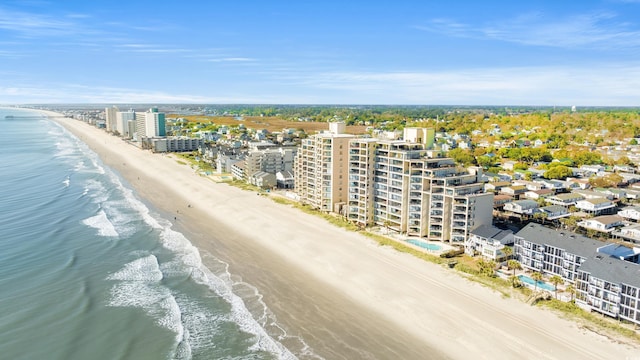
[
  {"x": 541, "y": 284},
  {"x": 424, "y": 245}
]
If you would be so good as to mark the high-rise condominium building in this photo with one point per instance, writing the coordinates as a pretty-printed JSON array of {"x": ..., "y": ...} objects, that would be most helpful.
[
  {"x": 415, "y": 191},
  {"x": 399, "y": 184},
  {"x": 122, "y": 122},
  {"x": 110, "y": 118},
  {"x": 150, "y": 124},
  {"x": 321, "y": 169}
]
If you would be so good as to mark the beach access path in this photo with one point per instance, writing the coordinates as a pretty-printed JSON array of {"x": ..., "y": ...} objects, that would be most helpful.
[{"x": 395, "y": 303}]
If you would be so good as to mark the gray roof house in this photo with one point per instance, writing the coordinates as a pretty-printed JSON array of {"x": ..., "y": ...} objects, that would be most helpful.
[{"x": 488, "y": 241}]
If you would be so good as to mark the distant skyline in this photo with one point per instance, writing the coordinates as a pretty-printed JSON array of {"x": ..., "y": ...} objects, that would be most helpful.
[{"x": 549, "y": 53}]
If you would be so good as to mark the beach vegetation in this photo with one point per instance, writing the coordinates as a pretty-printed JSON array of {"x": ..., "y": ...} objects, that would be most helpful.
[{"x": 591, "y": 320}]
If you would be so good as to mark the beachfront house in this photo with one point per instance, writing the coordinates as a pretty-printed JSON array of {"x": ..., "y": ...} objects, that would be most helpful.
[
  {"x": 554, "y": 212},
  {"x": 488, "y": 241},
  {"x": 630, "y": 213},
  {"x": 630, "y": 233},
  {"x": 604, "y": 223},
  {"x": 565, "y": 199},
  {"x": 596, "y": 206},
  {"x": 522, "y": 207}
]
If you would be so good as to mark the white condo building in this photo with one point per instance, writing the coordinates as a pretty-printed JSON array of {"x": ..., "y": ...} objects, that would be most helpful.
[
  {"x": 395, "y": 183},
  {"x": 150, "y": 124},
  {"x": 123, "y": 119},
  {"x": 321, "y": 169},
  {"x": 414, "y": 191},
  {"x": 110, "y": 118}
]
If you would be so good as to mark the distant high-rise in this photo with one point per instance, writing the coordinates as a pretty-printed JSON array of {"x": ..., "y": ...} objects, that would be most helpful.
[
  {"x": 110, "y": 118},
  {"x": 150, "y": 124},
  {"x": 122, "y": 122}
]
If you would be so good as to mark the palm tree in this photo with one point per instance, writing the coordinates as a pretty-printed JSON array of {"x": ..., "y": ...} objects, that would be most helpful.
[
  {"x": 387, "y": 224},
  {"x": 515, "y": 281},
  {"x": 514, "y": 265},
  {"x": 555, "y": 280},
  {"x": 507, "y": 251},
  {"x": 571, "y": 290},
  {"x": 536, "y": 276}
]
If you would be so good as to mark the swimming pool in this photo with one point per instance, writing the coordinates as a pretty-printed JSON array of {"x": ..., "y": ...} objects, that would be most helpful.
[
  {"x": 424, "y": 245},
  {"x": 541, "y": 284}
]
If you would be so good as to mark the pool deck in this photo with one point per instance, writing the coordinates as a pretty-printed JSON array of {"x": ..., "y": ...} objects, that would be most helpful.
[{"x": 444, "y": 247}]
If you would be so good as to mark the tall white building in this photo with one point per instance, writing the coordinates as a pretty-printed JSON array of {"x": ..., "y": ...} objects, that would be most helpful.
[
  {"x": 415, "y": 191},
  {"x": 110, "y": 118},
  {"x": 122, "y": 122},
  {"x": 395, "y": 183},
  {"x": 150, "y": 124},
  {"x": 321, "y": 169}
]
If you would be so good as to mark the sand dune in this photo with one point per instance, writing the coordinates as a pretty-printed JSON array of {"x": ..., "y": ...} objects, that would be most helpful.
[{"x": 345, "y": 295}]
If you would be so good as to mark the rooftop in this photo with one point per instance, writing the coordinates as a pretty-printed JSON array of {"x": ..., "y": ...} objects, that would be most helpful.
[
  {"x": 571, "y": 242},
  {"x": 612, "y": 270}
]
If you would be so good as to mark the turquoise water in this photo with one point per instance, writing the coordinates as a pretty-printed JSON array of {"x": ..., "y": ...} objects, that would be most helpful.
[
  {"x": 89, "y": 272},
  {"x": 541, "y": 284},
  {"x": 424, "y": 245}
]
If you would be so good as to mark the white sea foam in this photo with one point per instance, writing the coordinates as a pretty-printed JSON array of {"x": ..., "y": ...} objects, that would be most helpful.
[
  {"x": 67, "y": 181},
  {"x": 155, "y": 299},
  {"x": 142, "y": 269},
  {"x": 146, "y": 292},
  {"x": 139, "y": 286},
  {"x": 102, "y": 224}
]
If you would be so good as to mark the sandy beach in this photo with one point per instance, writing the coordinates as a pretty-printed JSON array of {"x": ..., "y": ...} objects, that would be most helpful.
[{"x": 346, "y": 296}]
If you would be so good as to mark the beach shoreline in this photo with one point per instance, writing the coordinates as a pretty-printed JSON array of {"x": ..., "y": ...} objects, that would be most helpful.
[{"x": 343, "y": 294}]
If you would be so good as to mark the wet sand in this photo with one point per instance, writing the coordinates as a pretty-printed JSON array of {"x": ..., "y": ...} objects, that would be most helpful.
[{"x": 347, "y": 297}]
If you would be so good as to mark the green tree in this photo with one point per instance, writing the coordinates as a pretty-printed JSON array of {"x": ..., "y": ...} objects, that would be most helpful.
[
  {"x": 556, "y": 280},
  {"x": 558, "y": 172},
  {"x": 536, "y": 276},
  {"x": 514, "y": 265},
  {"x": 571, "y": 290},
  {"x": 515, "y": 281},
  {"x": 462, "y": 156},
  {"x": 487, "y": 267},
  {"x": 507, "y": 251}
]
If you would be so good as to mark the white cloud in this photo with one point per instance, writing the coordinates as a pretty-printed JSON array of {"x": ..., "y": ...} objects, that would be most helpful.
[
  {"x": 28, "y": 24},
  {"x": 601, "y": 31},
  {"x": 606, "y": 85}
]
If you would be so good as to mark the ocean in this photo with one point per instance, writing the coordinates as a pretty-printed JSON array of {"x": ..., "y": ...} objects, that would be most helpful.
[{"x": 88, "y": 271}]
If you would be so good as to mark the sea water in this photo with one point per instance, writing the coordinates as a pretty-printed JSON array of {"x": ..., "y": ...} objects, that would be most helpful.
[{"x": 87, "y": 271}]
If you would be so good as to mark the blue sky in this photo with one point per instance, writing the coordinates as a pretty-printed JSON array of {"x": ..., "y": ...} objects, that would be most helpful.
[{"x": 321, "y": 52}]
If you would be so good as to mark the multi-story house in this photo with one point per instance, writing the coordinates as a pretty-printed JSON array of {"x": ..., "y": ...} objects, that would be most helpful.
[
  {"x": 630, "y": 213},
  {"x": 604, "y": 223},
  {"x": 610, "y": 286},
  {"x": 554, "y": 212},
  {"x": 597, "y": 206},
  {"x": 522, "y": 207},
  {"x": 488, "y": 241},
  {"x": 322, "y": 171},
  {"x": 566, "y": 199},
  {"x": 629, "y": 233},
  {"x": 553, "y": 252}
]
